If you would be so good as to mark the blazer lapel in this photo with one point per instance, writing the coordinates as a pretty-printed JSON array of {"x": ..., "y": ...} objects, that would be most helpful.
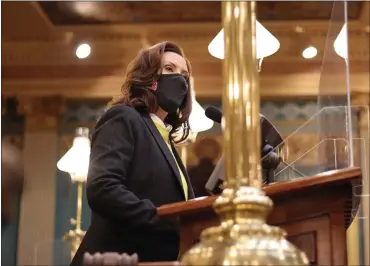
[
  {"x": 162, "y": 144},
  {"x": 183, "y": 169}
]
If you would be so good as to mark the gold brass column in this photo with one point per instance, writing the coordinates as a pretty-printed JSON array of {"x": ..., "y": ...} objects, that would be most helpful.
[{"x": 243, "y": 237}]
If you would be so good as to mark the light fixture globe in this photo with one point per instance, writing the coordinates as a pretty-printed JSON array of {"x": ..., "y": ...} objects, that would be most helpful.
[
  {"x": 267, "y": 44},
  {"x": 76, "y": 160}
]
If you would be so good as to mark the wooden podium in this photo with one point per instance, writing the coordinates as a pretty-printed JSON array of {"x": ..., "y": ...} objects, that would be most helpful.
[{"x": 315, "y": 212}]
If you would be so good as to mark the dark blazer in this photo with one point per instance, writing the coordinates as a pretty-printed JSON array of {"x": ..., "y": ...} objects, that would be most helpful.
[{"x": 131, "y": 173}]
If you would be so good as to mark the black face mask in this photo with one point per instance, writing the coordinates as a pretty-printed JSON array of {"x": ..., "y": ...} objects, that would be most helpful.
[{"x": 170, "y": 91}]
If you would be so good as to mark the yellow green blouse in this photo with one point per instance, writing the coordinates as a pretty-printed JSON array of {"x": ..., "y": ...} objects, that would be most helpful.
[{"x": 165, "y": 133}]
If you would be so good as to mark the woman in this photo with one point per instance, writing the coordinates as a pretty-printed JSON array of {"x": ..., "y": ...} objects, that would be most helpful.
[{"x": 134, "y": 167}]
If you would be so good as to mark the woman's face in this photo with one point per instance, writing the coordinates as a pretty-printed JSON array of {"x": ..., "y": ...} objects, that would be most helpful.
[{"x": 173, "y": 63}]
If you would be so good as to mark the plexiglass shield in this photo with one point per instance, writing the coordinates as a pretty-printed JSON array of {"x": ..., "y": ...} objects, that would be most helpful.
[{"x": 341, "y": 124}]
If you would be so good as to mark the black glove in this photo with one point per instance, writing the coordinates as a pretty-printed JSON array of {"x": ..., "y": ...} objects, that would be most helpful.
[{"x": 270, "y": 159}]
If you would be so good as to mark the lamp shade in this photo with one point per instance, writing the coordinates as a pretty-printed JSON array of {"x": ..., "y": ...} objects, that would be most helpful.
[
  {"x": 341, "y": 43},
  {"x": 198, "y": 120},
  {"x": 267, "y": 44},
  {"x": 76, "y": 160}
]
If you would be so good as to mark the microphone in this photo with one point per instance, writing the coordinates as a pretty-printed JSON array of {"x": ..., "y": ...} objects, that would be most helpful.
[
  {"x": 214, "y": 114},
  {"x": 269, "y": 134},
  {"x": 270, "y": 139}
]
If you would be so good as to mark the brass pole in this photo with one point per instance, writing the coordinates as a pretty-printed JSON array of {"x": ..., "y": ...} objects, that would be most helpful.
[
  {"x": 75, "y": 236},
  {"x": 243, "y": 237},
  {"x": 79, "y": 206}
]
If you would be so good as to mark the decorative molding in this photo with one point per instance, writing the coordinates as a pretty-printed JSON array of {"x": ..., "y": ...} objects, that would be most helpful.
[
  {"x": 195, "y": 27},
  {"x": 41, "y": 113},
  {"x": 112, "y": 42},
  {"x": 106, "y": 52},
  {"x": 49, "y": 67},
  {"x": 31, "y": 106},
  {"x": 289, "y": 111},
  {"x": 190, "y": 31},
  {"x": 206, "y": 86},
  {"x": 81, "y": 113}
]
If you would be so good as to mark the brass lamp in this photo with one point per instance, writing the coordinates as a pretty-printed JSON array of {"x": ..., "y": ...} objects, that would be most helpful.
[{"x": 76, "y": 163}]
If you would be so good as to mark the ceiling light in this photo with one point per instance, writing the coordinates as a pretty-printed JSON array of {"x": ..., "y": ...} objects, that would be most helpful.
[
  {"x": 267, "y": 44},
  {"x": 86, "y": 8},
  {"x": 299, "y": 29},
  {"x": 309, "y": 52},
  {"x": 83, "y": 51}
]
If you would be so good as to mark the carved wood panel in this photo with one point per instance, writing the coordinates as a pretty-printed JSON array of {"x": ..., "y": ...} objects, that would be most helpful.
[
  {"x": 312, "y": 237},
  {"x": 89, "y": 12},
  {"x": 306, "y": 242}
]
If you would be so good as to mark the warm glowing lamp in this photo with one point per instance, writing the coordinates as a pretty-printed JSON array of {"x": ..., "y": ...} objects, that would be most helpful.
[
  {"x": 76, "y": 163},
  {"x": 267, "y": 44},
  {"x": 341, "y": 42},
  {"x": 198, "y": 120},
  {"x": 76, "y": 160}
]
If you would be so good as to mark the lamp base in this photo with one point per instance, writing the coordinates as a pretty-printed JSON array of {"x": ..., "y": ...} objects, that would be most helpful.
[
  {"x": 243, "y": 237},
  {"x": 75, "y": 238}
]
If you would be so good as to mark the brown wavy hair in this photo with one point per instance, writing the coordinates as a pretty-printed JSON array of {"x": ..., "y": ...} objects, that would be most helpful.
[{"x": 136, "y": 90}]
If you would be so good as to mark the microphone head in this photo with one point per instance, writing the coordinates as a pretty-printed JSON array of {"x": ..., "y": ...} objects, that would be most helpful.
[{"x": 214, "y": 114}]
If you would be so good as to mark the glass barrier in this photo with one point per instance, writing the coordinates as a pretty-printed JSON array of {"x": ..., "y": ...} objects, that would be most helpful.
[
  {"x": 338, "y": 135},
  {"x": 329, "y": 151},
  {"x": 353, "y": 148},
  {"x": 342, "y": 130}
]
